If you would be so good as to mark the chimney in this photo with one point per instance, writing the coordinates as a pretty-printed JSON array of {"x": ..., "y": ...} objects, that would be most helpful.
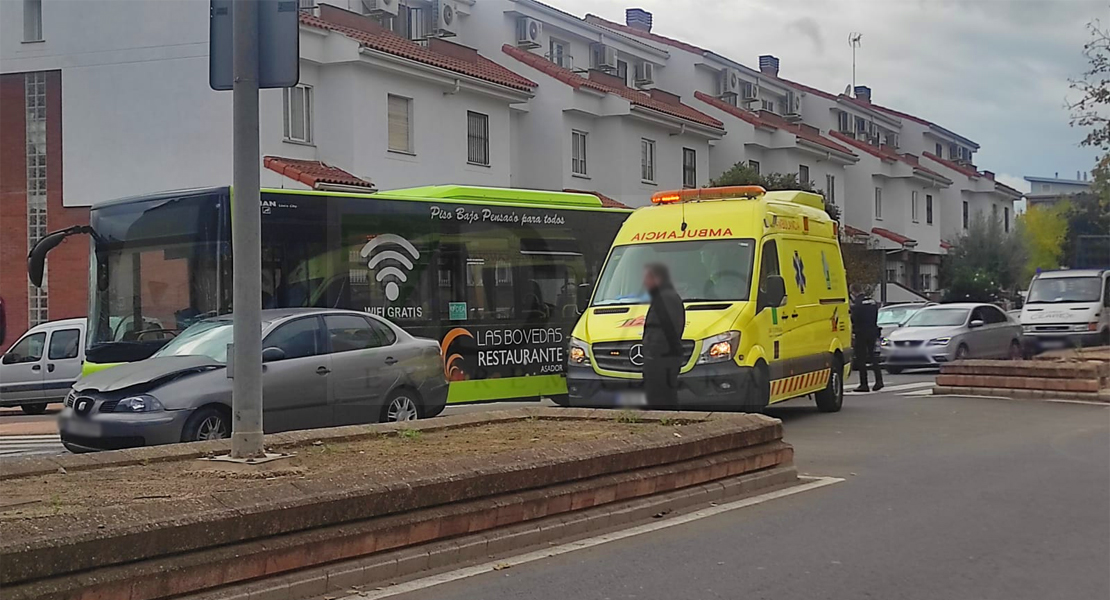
[
  {"x": 666, "y": 97},
  {"x": 606, "y": 78},
  {"x": 458, "y": 51},
  {"x": 638, "y": 18},
  {"x": 769, "y": 65},
  {"x": 346, "y": 18},
  {"x": 989, "y": 175},
  {"x": 1077, "y": 175},
  {"x": 863, "y": 93}
]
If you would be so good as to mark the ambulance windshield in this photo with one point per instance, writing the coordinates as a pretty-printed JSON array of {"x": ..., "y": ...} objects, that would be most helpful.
[{"x": 700, "y": 270}]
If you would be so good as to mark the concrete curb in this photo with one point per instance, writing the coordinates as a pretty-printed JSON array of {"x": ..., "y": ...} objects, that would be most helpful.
[{"x": 1022, "y": 394}]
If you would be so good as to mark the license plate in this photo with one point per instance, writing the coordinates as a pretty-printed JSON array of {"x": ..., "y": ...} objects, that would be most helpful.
[
  {"x": 82, "y": 428},
  {"x": 1053, "y": 344}
]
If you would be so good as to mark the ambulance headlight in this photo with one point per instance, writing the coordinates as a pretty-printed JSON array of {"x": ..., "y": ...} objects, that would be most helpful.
[
  {"x": 579, "y": 352},
  {"x": 719, "y": 348}
]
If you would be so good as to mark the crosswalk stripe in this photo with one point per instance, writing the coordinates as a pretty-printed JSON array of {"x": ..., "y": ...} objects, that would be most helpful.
[{"x": 29, "y": 445}]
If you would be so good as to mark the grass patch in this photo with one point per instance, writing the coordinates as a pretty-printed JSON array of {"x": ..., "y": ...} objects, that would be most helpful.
[
  {"x": 628, "y": 416},
  {"x": 409, "y": 434}
]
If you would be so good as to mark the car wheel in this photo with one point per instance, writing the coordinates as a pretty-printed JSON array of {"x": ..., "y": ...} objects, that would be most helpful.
[
  {"x": 403, "y": 405},
  {"x": 894, "y": 370},
  {"x": 207, "y": 423},
  {"x": 962, "y": 352},
  {"x": 831, "y": 399},
  {"x": 1016, "y": 352},
  {"x": 33, "y": 409}
]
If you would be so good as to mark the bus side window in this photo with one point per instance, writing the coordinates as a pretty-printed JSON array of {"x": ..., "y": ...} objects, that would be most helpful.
[{"x": 768, "y": 265}]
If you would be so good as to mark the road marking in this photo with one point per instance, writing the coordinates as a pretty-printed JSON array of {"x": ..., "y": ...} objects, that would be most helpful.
[
  {"x": 29, "y": 445},
  {"x": 812, "y": 483},
  {"x": 904, "y": 387}
]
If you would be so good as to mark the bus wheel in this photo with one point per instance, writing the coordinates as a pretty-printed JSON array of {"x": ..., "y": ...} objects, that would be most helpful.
[
  {"x": 831, "y": 398},
  {"x": 33, "y": 409},
  {"x": 561, "y": 399}
]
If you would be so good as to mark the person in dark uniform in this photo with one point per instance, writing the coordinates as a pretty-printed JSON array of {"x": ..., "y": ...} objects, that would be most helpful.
[
  {"x": 865, "y": 330},
  {"x": 663, "y": 327}
]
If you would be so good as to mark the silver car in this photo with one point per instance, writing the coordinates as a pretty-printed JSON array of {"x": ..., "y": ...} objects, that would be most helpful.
[
  {"x": 946, "y": 332},
  {"x": 321, "y": 368}
]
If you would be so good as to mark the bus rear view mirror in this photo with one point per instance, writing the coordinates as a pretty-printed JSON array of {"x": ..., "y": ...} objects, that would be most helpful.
[
  {"x": 36, "y": 258},
  {"x": 773, "y": 292},
  {"x": 585, "y": 290}
]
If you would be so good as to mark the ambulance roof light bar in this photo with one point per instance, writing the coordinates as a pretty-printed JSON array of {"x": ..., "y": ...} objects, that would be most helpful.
[{"x": 709, "y": 193}]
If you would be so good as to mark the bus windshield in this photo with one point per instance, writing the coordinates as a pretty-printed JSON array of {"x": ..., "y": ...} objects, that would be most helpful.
[
  {"x": 713, "y": 270},
  {"x": 1064, "y": 289}
]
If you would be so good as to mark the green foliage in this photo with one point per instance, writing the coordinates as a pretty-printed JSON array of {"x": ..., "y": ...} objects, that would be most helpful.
[
  {"x": 744, "y": 174},
  {"x": 409, "y": 434},
  {"x": 985, "y": 263},
  {"x": 1045, "y": 229},
  {"x": 1089, "y": 111}
]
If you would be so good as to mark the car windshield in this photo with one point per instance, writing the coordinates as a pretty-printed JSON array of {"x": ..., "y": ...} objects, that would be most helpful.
[
  {"x": 938, "y": 317},
  {"x": 894, "y": 315},
  {"x": 715, "y": 270},
  {"x": 207, "y": 338},
  {"x": 1064, "y": 289}
]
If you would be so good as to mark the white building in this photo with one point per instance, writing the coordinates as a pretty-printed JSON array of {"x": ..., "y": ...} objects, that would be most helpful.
[{"x": 1050, "y": 190}]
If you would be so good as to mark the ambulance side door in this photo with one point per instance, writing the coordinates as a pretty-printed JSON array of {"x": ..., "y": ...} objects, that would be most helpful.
[{"x": 794, "y": 342}]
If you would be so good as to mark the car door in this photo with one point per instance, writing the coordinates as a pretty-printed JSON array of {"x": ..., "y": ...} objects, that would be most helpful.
[
  {"x": 63, "y": 362},
  {"x": 363, "y": 368},
  {"x": 999, "y": 331},
  {"x": 295, "y": 387},
  {"x": 21, "y": 370}
]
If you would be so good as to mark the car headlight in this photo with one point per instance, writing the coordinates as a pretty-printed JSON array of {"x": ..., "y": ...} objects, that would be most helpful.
[
  {"x": 719, "y": 348},
  {"x": 579, "y": 352},
  {"x": 1027, "y": 328},
  {"x": 140, "y": 403},
  {"x": 884, "y": 342},
  {"x": 940, "y": 341}
]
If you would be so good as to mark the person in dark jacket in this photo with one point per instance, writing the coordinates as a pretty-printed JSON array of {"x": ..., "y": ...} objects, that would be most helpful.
[
  {"x": 866, "y": 331},
  {"x": 662, "y": 346}
]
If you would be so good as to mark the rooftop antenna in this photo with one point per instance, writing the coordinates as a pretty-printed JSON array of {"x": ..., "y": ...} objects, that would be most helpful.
[{"x": 854, "y": 42}]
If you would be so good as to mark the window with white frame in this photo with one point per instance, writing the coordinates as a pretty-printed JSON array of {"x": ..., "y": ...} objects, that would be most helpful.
[
  {"x": 767, "y": 105},
  {"x": 32, "y": 20},
  {"x": 966, "y": 214},
  {"x": 622, "y": 71},
  {"x": 477, "y": 138},
  {"x": 939, "y": 150},
  {"x": 754, "y": 164},
  {"x": 578, "y": 153},
  {"x": 913, "y": 206},
  {"x": 35, "y": 109},
  {"x": 879, "y": 203},
  {"x": 843, "y": 122},
  {"x": 400, "y": 124},
  {"x": 689, "y": 168},
  {"x": 803, "y": 174},
  {"x": 928, "y": 209},
  {"x": 559, "y": 53},
  {"x": 647, "y": 160},
  {"x": 298, "y": 113},
  {"x": 830, "y": 187},
  {"x": 1006, "y": 218}
]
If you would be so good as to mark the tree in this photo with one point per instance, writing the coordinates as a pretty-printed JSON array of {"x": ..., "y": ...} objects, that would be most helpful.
[
  {"x": 744, "y": 174},
  {"x": 1045, "y": 229},
  {"x": 1092, "y": 109},
  {"x": 985, "y": 263}
]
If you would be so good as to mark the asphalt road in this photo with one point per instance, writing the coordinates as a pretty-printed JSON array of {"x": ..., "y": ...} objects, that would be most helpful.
[{"x": 955, "y": 498}]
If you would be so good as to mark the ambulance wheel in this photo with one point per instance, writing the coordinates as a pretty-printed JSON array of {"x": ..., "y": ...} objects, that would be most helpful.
[
  {"x": 831, "y": 399},
  {"x": 760, "y": 391}
]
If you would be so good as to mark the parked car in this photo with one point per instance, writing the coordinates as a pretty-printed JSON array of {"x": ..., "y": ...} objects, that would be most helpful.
[
  {"x": 946, "y": 332},
  {"x": 893, "y": 316},
  {"x": 42, "y": 365},
  {"x": 321, "y": 368}
]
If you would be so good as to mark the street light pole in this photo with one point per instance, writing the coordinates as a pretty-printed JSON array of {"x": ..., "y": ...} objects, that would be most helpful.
[{"x": 246, "y": 238}]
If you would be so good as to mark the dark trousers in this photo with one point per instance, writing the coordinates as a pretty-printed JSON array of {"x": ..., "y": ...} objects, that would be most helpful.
[
  {"x": 661, "y": 382},
  {"x": 864, "y": 350}
]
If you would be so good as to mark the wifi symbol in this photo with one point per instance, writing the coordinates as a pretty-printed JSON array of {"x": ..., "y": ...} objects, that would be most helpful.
[{"x": 379, "y": 250}]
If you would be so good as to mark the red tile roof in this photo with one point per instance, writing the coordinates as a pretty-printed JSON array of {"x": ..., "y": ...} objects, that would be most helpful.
[
  {"x": 885, "y": 153},
  {"x": 854, "y": 231},
  {"x": 375, "y": 37},
  {"x": 968, "y": 171},
  {"x": 773, "y": 121},
  {"x": 647, "y": 35},
  {"x": 945, "y": 245},
  {"x": 606, "y": 201},
  {"x": 313, "y": 172},
  {"x": 636, "y": 97},
  {"x": 890, "y": 235}
]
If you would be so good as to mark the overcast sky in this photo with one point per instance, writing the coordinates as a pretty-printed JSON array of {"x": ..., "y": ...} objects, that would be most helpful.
[{"x": 995, "y": 71}]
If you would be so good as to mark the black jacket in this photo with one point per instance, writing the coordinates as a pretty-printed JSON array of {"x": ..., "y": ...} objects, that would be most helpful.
[
  {"x": 865, "y": 319},
  {"x": 664, "y": 324}
]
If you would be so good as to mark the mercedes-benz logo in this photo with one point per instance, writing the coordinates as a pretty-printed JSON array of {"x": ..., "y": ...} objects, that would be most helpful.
[{"x": 636, "y": 355}]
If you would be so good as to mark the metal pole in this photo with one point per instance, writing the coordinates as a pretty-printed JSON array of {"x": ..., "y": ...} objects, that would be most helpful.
[
  {"x": 246, "y": 238},
  {"x": 882, "y": 279}
]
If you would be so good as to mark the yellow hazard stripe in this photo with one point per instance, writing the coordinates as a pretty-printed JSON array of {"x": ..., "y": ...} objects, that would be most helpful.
[{"x": 795, "y": 385}]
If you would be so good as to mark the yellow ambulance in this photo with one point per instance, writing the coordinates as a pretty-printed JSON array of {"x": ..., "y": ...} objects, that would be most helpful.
[{"x": 763, "y": 284}]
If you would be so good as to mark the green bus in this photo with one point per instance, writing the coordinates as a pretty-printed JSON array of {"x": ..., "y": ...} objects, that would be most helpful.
[{"x": 493, "y": 273}]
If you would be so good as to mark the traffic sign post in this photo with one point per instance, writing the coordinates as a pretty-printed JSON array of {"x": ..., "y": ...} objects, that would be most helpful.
[{"x": 253, "y": 44}]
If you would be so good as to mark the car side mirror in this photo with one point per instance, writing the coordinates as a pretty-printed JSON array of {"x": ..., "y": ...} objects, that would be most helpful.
[
  {"x": 773, "y": 292},
  {"x": 976, "y": 323},
  {"x": 272, "y": 354},
  {"x": 582, "y": 297}
]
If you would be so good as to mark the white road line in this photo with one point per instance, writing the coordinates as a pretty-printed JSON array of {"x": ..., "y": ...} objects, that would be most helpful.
[
  {"x": 812, "y": 483},
  {"x": 25, "y": 445},
  {"x": 904, "y": 387}
]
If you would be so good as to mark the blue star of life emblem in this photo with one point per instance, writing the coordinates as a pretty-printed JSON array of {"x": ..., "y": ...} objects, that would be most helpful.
[{"x": 799, "y": 272}]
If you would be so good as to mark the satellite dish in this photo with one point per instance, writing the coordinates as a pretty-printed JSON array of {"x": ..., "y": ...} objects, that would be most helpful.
[{"x": 848, "y": 90}]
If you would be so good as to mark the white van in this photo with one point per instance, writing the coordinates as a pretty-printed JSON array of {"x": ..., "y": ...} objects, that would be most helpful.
[
  {"x": 42, "y": 365},
  {"x": 1067, "y": 308}
]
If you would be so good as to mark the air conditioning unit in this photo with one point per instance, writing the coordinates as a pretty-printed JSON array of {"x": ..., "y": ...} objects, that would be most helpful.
[
  {"x": 528, "y": 32},
  {"x": 729, "y": 83},
  {"x": 605, "y": 57},
  {"x": 381, "y": 7},
  {"x": 446, "y": 19},
  {"x": 645, "y": 74},
  {"x": 793, "y": 104}
]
